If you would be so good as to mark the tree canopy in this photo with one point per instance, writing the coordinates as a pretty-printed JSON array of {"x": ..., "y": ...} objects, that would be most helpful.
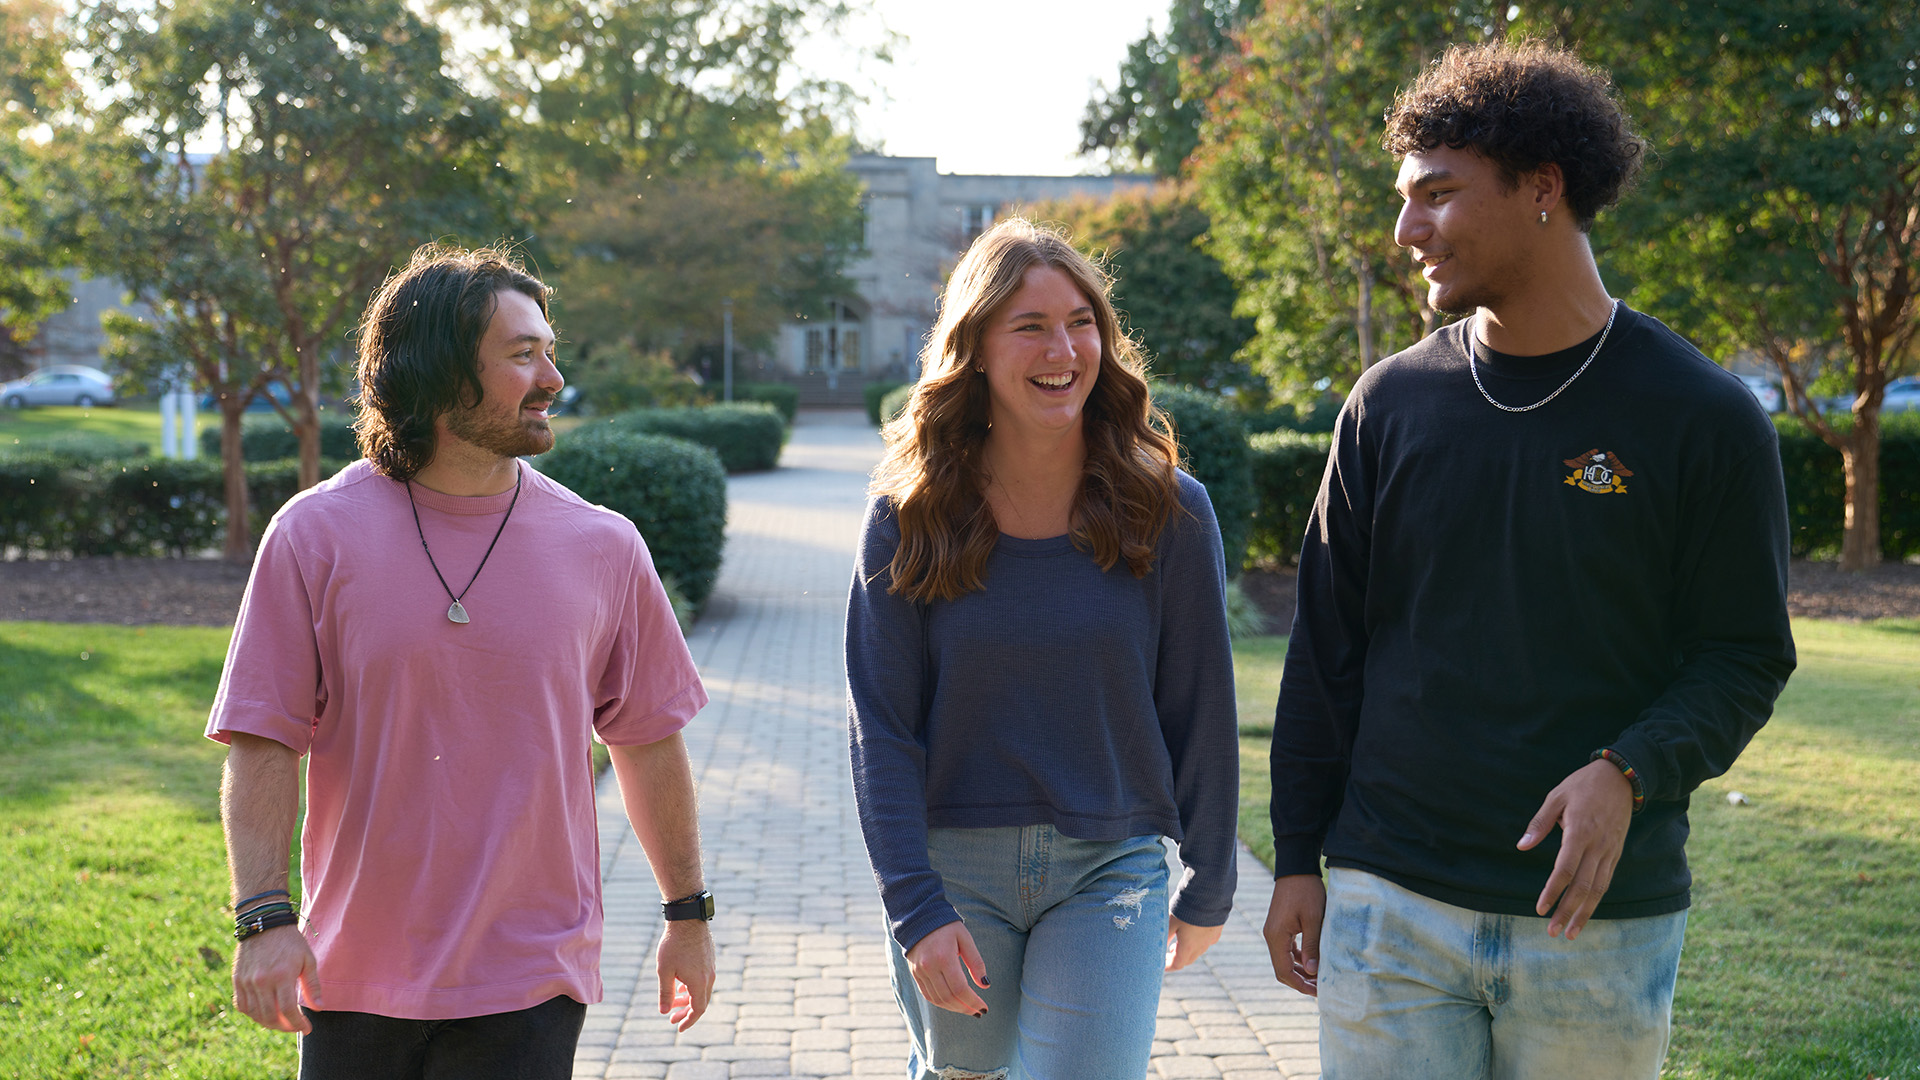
[{"x": 1150, "y": 119}]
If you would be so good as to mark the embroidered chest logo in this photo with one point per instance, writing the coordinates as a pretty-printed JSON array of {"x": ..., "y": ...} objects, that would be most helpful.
[{"x": 1599, "y": 472}]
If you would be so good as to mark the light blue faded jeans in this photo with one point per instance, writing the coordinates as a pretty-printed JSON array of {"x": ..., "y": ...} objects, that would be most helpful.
[
  {"x": 1413, "y": 988},
  {"x": 1074, "y": 937}
]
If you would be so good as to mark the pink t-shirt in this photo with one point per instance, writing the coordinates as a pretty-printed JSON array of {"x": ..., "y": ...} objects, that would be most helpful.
[{"x": 450, "y": 858}]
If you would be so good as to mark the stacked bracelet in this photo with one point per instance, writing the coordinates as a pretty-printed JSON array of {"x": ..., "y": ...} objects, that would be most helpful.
[
  {"x": 260, "y": 918},
  {"x": 1612, "y": 757}
]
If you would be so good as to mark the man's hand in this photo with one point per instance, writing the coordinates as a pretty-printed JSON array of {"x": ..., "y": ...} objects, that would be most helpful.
[
  {"x": 268, "y": 970},
  {"x": 1593, "y": 808},
  {"x": 1293, "y": 931},
  {"x": 946, "y": 965},
  {"x": 1187, "y": 942},
  {"x": 687, "y": 967}
]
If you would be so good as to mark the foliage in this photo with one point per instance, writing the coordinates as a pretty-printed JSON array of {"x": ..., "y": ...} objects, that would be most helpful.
[
  {"x": 1301, "y": 194},
  {"x": 618, "y": 376},
  {"x": 77, "y": 448},
  {"x": 676, "y": 159},
  {"x": 1817, "y": 486},
  {"x": 747, "y": 435},
  {"x": 1817, "y": 872},
  {"x": 268, "y": 438},
  {"x": 1173, "y": 295},
  {"x": 1213, "y": 449},
  {"x": 895, "y": 403},
  {"x": 784, "y": 397},
  {"x": 876, "y": 393},
  {"x": 1314, "y": 416},
  {"x": 33, "y": 74},
  {"x": 1244, "y": 620},
  {"x": 1783, "y": 213},
  {"x": 53, "y": 506},
  {"x": 113, "y": 945},
  {"x": 1287, "y": 467},
  {"x": 673, "y": 490},
  {"x": 1151, "y": 118},
  {"x": 344, "y": 145}
]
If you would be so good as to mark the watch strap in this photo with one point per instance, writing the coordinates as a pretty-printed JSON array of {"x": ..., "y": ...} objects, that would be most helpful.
[{"x": 697, "y": 906}]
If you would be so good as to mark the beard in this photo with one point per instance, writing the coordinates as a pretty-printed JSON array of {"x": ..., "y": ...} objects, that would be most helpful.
[{"x": 505, "y": 436}]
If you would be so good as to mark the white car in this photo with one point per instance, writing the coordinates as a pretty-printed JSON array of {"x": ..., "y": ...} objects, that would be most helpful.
[
  {"x": 1765, "y": 391},
  {"x": 1902, "y": 395},
  {"x": 62, "y": 384}
]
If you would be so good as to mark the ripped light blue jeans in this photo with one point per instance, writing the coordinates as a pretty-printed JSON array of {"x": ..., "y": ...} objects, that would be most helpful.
[
  {"x": 1412, "y": 988},
  {"x": 1074, "y": 937}
]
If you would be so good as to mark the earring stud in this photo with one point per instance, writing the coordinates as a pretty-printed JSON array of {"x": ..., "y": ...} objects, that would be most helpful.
[{"x": 1543, "y": 217}]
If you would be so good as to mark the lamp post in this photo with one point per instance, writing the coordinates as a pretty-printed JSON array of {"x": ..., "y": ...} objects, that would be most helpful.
[{"x": 726, "y": 347}]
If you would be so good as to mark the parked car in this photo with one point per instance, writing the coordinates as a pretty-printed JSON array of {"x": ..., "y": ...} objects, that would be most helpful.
[
  {"x": 1765, "y": 391},
  {"x": 1902, "y": 395},
  {"x": 61, "y": 384}
]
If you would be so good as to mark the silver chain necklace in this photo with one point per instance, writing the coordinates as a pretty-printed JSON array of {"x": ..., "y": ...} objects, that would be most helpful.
[
  {"x": 455, "y": 612},
  {"x": 1612, "y": 310}
]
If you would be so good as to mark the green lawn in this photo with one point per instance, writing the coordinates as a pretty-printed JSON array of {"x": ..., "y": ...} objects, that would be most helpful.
[
  {"x": 1803, "y": 945},
  {"x": 113, "y": 945},
  {"x": 139, "y": 421}
]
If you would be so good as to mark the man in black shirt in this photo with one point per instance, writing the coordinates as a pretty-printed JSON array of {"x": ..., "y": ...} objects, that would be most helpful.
[{"x": 1542, "y": 598}]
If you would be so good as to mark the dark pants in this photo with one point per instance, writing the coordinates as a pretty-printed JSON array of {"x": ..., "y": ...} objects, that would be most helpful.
[{"x": 531, "y": 1044}]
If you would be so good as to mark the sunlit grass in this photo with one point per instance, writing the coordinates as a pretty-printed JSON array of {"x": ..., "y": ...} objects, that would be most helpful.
[
  {"x": 139, "y": 421},
  {"x": 1803, "y": 944}
]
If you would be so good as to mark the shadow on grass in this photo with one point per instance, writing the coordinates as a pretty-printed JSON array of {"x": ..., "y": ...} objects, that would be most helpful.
[{"x": 120, "y": 716}]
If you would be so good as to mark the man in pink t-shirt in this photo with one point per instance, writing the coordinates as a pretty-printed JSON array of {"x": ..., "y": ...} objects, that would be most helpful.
[{"x": 439, "y": 630}]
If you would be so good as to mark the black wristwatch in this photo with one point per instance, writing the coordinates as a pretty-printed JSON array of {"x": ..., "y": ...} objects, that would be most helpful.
[{"x": 697, "y": 906}]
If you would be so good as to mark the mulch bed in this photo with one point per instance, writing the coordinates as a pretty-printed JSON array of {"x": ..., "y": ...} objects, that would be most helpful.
[{"x": 206, "y": 592}]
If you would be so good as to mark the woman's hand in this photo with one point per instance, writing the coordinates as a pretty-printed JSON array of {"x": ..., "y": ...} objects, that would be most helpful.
[
  {"x": 1187, "y": 942},
  {"x": 945, "y": 964}
]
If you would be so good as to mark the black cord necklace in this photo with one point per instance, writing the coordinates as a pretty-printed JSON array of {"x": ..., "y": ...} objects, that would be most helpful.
[{"x": 456, "y": 613}]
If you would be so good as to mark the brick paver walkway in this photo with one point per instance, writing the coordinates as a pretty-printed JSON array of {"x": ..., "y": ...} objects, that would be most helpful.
[{"x": 803, "y": 986}]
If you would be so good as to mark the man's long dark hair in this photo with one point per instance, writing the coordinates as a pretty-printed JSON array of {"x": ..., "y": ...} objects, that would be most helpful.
[{"x": 420, "y": 348}]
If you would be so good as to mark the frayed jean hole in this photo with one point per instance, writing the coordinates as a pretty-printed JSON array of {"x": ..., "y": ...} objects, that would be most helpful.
[
  {"x": 948, "y": 1072},
  {"x": 1130, "y": 900}
]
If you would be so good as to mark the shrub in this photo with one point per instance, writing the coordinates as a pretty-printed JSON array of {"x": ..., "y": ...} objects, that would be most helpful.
[
  {"x": 673, "y": 490},
  {"x": 876, "y": 395},
  {"x": 271, "y": 483},
  {"x": 746, "y": 435},
  {"x": 268, "y": 438},
  {"x": 160, "y": 507},
  {"x": 894, "y": 403},
  {"x": 1213, "y": 448},
  {"x": 37, "y": 493},
  {"x": 621, "y": 376},
  {"x": 78, "y": 449},
  {"x": 781, "y": 396},
  {"x": 1315, "y": 417},
  {"x": 1287, "y": 466},
  {"x": 1817, "y": 487}
]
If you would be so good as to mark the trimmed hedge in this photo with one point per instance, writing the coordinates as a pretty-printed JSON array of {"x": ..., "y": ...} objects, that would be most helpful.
[
  {"x": 268, "y": 438},
  {"x": 876, "y": 394},
  {"x": 781, "y": 396},
  {"x": 141, "y": 506},
  {"x": 1817, "y": 487},
  {"x": 1287, "y": 466},
  {"x": 1213, "y": 448},
  {"x": 894, "y": 403},
  {"x": 78, "y": 449},
  {"x": 673, "y": 490},
  {"x": 747, "y": 435}
]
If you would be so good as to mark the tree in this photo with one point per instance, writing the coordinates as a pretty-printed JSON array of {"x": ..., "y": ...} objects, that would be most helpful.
[
  {"x": 1300, "y": 192},
  {"x": 33, "y": 78},
  {"x": 1173, "y": 295},
  {"x": 674, "y": 161},
  {"x": 342, "y": 146},
  {"x": 1782, "y": 213},
  {"x": 1151, "y": 118}
]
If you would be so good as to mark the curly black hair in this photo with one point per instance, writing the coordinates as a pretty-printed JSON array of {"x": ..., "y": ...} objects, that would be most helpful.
[
  {"x": 1520, "y": 106},
  {"x": 420, "y": 348}
]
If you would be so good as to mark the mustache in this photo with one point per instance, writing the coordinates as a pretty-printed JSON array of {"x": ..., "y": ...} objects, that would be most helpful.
[{"x": 537, "y": 399}]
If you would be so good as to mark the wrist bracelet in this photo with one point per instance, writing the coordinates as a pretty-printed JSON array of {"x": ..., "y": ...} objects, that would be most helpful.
[
  {"x": 1613, "y": 758},
  {"x": 238, "y": 904},
  {"x": 265, "y": 917}
]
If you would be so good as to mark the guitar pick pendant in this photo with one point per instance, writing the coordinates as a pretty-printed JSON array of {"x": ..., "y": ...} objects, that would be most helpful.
[{"x": 456, "y": 613}]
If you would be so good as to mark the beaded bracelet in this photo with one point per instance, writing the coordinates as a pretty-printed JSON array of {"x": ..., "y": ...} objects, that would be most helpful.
[
  {"x": 263, "y": 918},
  {"x": 1613, "y": 757}
]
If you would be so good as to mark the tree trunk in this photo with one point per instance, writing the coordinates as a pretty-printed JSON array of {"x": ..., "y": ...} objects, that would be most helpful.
[
  {"x": 239, "y": 547},
  {"x": 1364, "y": 322},
  {"x": 1860, "y": 461},
  {"x": 308, "y": 427}
]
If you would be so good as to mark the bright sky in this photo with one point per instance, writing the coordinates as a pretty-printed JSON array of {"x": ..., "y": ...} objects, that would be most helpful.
[{"x": 988, "y": 86}]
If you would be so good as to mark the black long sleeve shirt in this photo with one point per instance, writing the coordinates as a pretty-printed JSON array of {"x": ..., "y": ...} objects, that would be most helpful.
[{"x": 1486, "y": 598}]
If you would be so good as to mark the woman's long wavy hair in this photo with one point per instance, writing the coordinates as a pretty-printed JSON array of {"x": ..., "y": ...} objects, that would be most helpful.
[
  {"x": 934, "y": 471},
  {"x": 420, "y": 348}
]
